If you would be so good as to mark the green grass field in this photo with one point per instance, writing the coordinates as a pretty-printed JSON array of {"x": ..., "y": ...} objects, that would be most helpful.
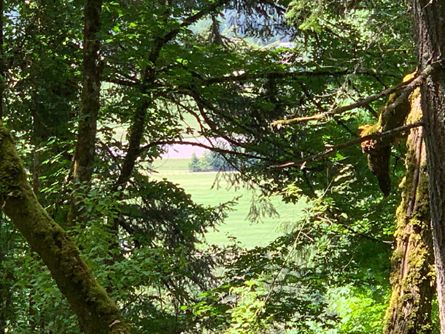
[{"x": 203, "y": 190}]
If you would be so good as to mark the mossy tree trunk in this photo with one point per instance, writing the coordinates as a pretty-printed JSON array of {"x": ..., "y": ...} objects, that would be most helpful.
[
  {"x": 429, "y": 23},
  {"x": 96, "y": 312},
  {"x": 409, "y": 311}
]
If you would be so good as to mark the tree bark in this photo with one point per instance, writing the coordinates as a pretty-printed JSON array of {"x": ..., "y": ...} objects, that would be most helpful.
[
  {"x": 136, "y": 135},
  {"x": 84, "y": 154},
  {"x": 96, "y": 312},
  {"x": 409, "y": 310},
  {"x": 429, "y": 22},
  {"x": 6, "y": 275},
  {"x": 86, "y": 138},
  {"x": 6, "y": 279},
  {"x": 2, "y": 61}
]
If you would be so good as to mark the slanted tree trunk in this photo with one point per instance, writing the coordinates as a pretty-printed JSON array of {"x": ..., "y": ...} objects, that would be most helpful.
[
  {"x": 409, "y": 310},
  {"x": 429, "y": 21},
  {"x": 96, "y": 312}
]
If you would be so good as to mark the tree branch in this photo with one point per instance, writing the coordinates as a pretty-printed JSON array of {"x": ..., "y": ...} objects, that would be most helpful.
[
  {"x": 406, "y": 88},
  {"x": 280, "y": 75},
  {"x": 160, "y": 42},
  {"x": 209, "y": 147},
  {"x": 315, "y": 157},
  {"x": 121, "y": 82}
]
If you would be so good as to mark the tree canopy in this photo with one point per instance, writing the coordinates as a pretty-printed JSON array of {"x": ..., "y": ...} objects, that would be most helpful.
[{"x": 308, "y": 101}]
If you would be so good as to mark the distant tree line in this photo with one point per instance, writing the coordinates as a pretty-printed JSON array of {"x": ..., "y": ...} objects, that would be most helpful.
[{"x": 209, "y": 162}]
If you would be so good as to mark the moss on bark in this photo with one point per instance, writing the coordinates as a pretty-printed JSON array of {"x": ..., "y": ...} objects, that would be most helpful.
[
  {"x": 378, "y": 150},
  {"x": 412, "y": 277},
  {"x": 97, "y": 313}
]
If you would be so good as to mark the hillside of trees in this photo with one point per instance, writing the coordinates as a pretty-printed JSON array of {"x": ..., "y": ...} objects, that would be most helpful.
[{"x": 337, "y": 103}]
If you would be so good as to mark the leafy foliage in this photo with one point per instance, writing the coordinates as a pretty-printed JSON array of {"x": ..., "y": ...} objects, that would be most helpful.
[{"x": 203, "y": 69}]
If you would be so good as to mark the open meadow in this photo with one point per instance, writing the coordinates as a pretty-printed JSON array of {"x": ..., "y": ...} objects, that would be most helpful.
[{"x": 204, "y": 190}]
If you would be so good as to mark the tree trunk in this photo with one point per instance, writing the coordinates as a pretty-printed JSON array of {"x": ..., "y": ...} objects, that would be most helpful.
[
  {"x": 6, "y": 278},
  {"x": 429, "y": 16},
  {"x": 409, "y": 310},
  {"x": 84, "y": 154},
  {"x": 2, "y": 62},
  {"x": 96, "y": 311},
  {"x": 90, "y": 104},
  {"x": 6, "y": 274}
]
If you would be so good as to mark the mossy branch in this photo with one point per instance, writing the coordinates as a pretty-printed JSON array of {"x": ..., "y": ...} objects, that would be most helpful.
[
  {"x": 97, "y": 313},
  {"x": 404, "y": 89},
  {"x": 331, "y": 150}
]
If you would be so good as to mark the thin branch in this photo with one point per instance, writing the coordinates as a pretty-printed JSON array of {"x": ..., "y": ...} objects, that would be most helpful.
[
  {"x": 333, "y": 149},
  {"x": 367, "y": 107},
  {"x": 405, "y": 87},
  {"x": 203, "y": 12},
  {"x": 360, "y": 103},
  {"x": 160, "y": 42},
  {"x": 108, "y": 150},
  {"x": 322, "y": 110},
  {"x": 202, "y": 104},
  {"x": 209, "y": 147},
  {"x": 279, "y": 75},
  {"x": 121, "y": 82}
]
